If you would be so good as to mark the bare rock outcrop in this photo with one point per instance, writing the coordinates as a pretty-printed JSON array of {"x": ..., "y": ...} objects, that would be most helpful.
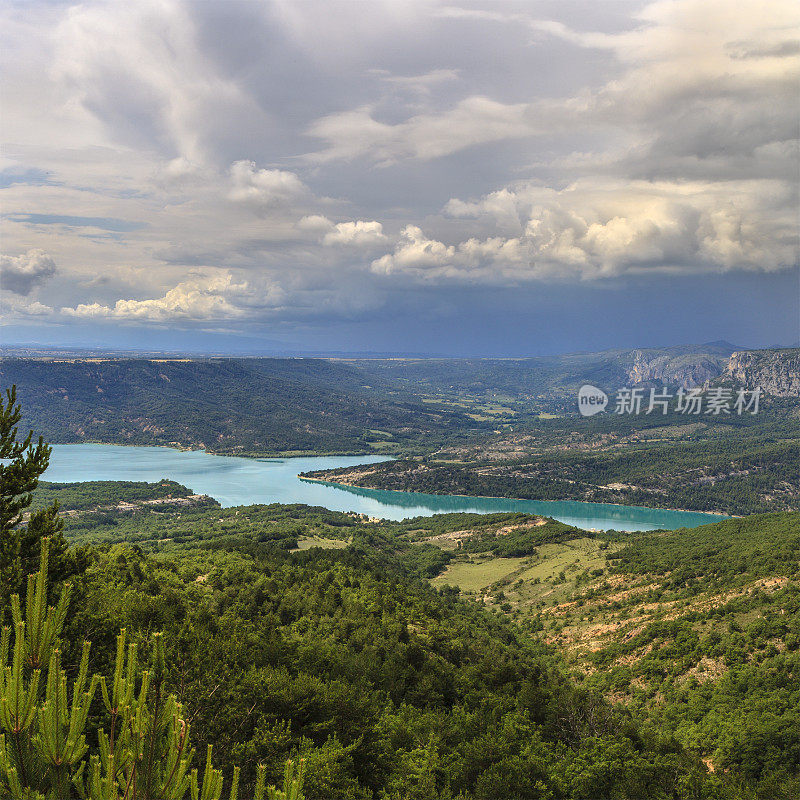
[{"x": 777, "y": 372}]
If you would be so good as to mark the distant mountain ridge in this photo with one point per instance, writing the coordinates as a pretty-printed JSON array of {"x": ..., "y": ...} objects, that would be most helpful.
[
  {"x": 541, "y": 376},
  {"x": 268, "y": 406},
  {"x": 232, "y": 406},
  {"x": 775, "y": 370}
]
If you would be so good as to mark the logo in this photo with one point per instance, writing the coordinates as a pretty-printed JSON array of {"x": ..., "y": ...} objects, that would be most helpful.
[
  {"x": 714, "y": 400},
  {"x": 591, "y": 400}
]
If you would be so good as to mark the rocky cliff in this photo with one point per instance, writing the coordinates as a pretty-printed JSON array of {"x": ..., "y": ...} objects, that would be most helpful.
[
  {"x": 685, "y": 370},
  {"x": 681, "y": 365},
  {"x": 777, "y": 372}
]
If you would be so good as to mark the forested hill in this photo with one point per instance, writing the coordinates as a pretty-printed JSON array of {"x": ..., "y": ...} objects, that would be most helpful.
[
  {"x": 388, "y": 687},
  {"x": 223, "y": 405}
]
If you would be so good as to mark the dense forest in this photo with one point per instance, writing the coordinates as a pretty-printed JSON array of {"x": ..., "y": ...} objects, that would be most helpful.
[
  {"x": 86, "y": 495},
  {"x": 711, "y": 643},
  {"x": 389, "y": 687}
]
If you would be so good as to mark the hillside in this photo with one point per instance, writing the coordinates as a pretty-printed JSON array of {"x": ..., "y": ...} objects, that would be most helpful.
[
  {"x": 695, "y": 631},
  {"x": 777, "y": 372},
  {"x": 231, "y": 406},
  {"x": 348, "y": 658}
]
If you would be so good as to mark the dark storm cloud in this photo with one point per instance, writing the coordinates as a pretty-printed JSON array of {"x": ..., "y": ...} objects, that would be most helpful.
[{"x": 22, "y": 273}]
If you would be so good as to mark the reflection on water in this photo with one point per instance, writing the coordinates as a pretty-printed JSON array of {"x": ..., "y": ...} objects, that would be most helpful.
[
  {"x": 583, "y": 515},
  {"x": 244, "y": 481}
]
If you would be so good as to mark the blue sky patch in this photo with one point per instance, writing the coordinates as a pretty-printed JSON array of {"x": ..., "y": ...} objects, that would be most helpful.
[{"x": 104, "y": 223}]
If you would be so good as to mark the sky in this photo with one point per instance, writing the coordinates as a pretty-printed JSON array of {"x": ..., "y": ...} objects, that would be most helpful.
[{"x": 399, "y": 176}]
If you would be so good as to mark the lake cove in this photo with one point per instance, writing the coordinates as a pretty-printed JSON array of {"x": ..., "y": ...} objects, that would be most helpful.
[{"x": 244, "y": 481}]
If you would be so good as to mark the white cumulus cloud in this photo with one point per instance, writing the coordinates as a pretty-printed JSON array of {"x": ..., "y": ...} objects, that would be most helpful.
[
  {"x": 600, "y": 229},
  {"x": 208, "y": 298},
  {"x": 427, "y": 259},
  {"x": 359, "y": 233},
  {"x": 264, "y": 188}
]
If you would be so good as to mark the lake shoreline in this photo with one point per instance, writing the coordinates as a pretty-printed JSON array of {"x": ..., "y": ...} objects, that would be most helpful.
[
  {"x": 524, "y": 499},
  {"x": 255, "y": 456}
]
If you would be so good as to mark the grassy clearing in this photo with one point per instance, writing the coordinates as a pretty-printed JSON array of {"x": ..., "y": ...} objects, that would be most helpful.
[
  {"x": 496, "y": 409},
  {"x": 307, "y": 542},
  {"x": 383, "y": 445},
  {"x": 541, "y": 586},
  {"x": 554, "y": 574},
  {"x": 473, "y": 576},
  {"x": 539, "y": 573},
  {"x": 491, "y": 411}
]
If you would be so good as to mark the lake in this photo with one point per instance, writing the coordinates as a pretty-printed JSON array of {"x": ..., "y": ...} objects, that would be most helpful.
[{"x": 244, "y": 481}]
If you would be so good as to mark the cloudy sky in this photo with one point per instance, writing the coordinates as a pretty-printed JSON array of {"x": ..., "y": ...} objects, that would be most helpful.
[{"x": 402, "y": 176}]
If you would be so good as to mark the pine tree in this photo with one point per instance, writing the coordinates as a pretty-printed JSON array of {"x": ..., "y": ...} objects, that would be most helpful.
[
  {"x": 47, "y": 749},
  {"x": 145, "y": 755},
  {"x": 19, "y": 544}
]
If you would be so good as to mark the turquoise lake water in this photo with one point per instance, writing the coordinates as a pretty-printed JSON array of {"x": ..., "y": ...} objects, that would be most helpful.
[{"x": 244, "y": 481}]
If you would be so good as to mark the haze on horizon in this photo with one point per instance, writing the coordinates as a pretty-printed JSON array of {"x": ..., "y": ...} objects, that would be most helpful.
[{"x": 465, "y": 178}]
